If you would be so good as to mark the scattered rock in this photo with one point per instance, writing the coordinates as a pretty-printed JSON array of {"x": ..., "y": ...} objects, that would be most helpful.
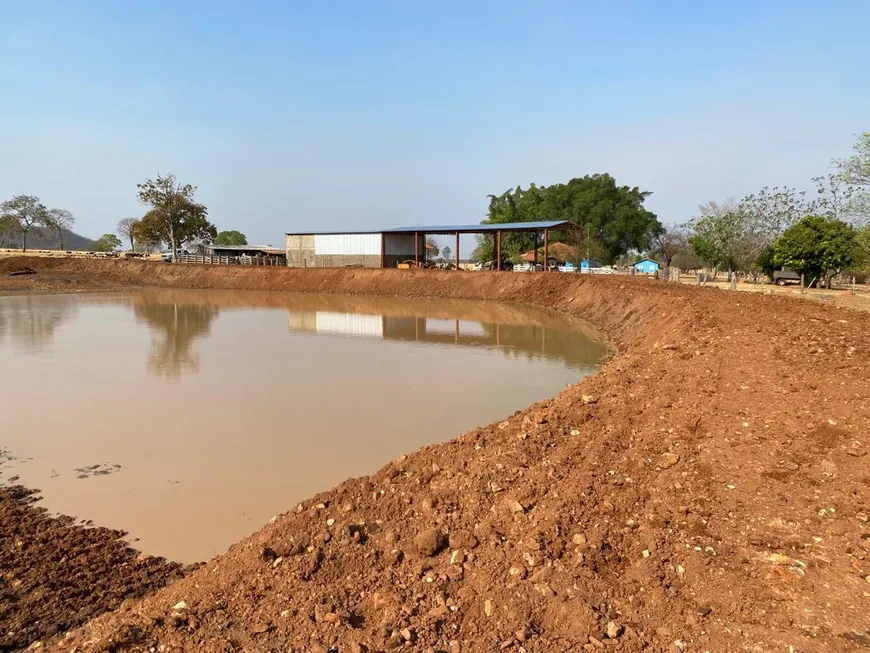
[
  {"x": 613, "y": 629},
  {"x": 181, "y": 605},
  {"x": 463, "y": 540},
  {"x": 514, "y": 506},
  {"x": 668, "y": 460},
  {"x": 488, "y": 607},
  {"x": 430, "y": 542},
  {"x": 589, "y": 399}
]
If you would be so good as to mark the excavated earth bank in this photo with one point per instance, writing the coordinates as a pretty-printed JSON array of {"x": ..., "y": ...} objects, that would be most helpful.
[{"x": 706, "y": 491}]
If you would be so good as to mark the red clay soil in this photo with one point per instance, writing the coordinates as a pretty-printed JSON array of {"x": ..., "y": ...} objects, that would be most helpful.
[
  {"x": 56, "y": 574},
  {"x": 706, "y": 491}
]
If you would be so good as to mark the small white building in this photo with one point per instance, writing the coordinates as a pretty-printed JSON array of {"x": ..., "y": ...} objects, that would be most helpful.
[{"x": 357, "y": 249}]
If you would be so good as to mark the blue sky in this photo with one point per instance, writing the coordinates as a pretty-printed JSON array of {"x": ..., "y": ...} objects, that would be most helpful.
[{"x": 360, "y": 114}]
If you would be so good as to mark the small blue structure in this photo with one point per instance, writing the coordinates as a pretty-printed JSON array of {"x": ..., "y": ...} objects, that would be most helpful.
[{"x": 646, "y": 266}]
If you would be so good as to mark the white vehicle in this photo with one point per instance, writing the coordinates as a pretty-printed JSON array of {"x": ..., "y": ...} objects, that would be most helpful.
[{"x": 528, "y": 267}]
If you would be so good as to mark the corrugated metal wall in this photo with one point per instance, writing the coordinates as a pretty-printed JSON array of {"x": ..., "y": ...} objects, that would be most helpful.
[
  {"x": 350, "y": 324},
  {"x": 347, "y": 245}
]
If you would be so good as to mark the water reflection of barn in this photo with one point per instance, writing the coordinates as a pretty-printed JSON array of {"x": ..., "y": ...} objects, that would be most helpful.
[{"x": 532, "y": 341}]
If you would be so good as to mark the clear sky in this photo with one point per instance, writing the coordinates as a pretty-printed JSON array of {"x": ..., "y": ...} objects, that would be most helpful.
[{"x": 361, "y": 114}]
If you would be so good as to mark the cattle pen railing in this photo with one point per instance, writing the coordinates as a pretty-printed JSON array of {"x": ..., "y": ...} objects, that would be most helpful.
[{"x": 272, "y": 261}]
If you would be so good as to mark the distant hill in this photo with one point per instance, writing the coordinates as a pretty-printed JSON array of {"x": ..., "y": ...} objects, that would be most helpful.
[{"x": 48, "y": 240}]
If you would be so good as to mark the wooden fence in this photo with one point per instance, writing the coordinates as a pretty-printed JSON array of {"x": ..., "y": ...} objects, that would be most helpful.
[{"x": 271, "y": 261}]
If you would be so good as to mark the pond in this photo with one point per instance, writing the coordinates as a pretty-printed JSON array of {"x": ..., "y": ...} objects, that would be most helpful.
[{"x": 189, "y": 418}]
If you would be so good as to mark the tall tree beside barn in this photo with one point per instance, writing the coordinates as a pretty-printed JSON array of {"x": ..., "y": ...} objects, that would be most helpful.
[
  {"x": 612, "y": 218},
  {"x": 175, "y": 217},
  {"x": 231, "y": 238}
]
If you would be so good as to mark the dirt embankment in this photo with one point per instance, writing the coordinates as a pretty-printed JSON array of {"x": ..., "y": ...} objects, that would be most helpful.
[
  {"x": 706, "y": 491},
  {"x": 56, "y": 574}
]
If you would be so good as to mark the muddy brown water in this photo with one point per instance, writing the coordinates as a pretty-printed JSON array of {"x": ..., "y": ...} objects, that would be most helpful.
[{"x": 189, "y": 418}]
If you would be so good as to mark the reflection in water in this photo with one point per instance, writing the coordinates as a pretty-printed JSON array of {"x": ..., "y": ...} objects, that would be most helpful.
[
  {"x": 175, "y": 327},
  {"x": 31, "y": 321},
  {"x": 530, "y": 341}
]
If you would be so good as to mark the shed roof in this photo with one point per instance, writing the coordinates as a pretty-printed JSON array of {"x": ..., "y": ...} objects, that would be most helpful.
[
  {"x": 247, "y": 248},
  {"x": 441, "y": 229},
  {"x": 645, "y": 260}
]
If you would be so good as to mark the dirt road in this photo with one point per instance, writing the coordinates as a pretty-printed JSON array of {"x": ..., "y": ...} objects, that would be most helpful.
[{"x": 706, "y": 491}]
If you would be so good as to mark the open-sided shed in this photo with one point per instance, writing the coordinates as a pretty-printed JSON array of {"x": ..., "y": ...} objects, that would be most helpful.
[{"x": 389, "y": 247}]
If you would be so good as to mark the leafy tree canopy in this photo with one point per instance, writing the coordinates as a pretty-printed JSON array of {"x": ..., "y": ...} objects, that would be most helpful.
[
  {"x": 175, "y": 217},
  {"x": 817, "y": 247},
  {"x": 612, "y": 218},
  {"x": 107, "y": 243},
  {"x": 22, "y": 215},
  {"x": 230, "y": 238}
]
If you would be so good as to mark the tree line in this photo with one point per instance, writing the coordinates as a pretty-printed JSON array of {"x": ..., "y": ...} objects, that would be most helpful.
[
  {"x": 25, "y": 215},
  {"x": 818, "y": 234},
  {"x": 174, "y": 218}
]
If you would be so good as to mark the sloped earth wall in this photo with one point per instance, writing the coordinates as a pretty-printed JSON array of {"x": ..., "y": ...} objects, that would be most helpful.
[{"x": 707, "y": 490}]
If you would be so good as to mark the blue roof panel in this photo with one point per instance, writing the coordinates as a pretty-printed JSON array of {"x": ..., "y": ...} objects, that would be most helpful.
[
  {"x": 448, "y": 229},
  {"x": 480, "y": 228}
]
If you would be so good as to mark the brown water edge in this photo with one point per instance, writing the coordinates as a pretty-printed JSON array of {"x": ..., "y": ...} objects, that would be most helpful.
[
  {"x": 189, "y": 417},
  {"x": 55, "y": 574}
]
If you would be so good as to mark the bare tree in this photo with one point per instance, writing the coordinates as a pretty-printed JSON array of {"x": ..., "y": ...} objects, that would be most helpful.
[
  {"x": 127, "y": 231},
  {"x": 26, "y": 214},
  {"x": 59, "y": 220},
  {"x": 856, "y": 169},
  {"x": 669, "y": 244}
]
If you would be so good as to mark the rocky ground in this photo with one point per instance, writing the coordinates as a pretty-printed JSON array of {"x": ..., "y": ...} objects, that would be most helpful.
[{"x": 706, "y": 491}]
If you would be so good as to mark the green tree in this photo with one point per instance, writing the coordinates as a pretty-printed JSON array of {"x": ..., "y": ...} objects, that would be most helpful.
[
  {"x": 7, "y": 229},
  {"x": 59, "y": 221},
  {"x": 107, "y": 243},
  {"x": 175, "y": 218},
  {"x": 232, "y": 238},
  {"x": 726, "y": 236},
  {"x": 127, "y": 230},
  {"x": 446, "y": 253},
  {"x": 611, "y": 219},
  {"x": 24, "y": 214},
  {"x": 818, "y": 247},
  {"x": 432, "y": 249}
]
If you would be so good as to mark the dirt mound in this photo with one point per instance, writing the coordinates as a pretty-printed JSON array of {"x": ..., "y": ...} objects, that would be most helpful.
[
  {"x": 707, "y": 490},
  {"x": 56, "y": 575}
]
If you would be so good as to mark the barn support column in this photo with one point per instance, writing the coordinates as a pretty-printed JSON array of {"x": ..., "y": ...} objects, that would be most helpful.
[
  {"x": 457, "y": 250},
  {"x": 546, "y": 249},
  {"x": 535, "y": 260},
  {"x": 498, "y": 251},
  {"x": 383, "y": 250},
  {"x": 416, "y": 249}
]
